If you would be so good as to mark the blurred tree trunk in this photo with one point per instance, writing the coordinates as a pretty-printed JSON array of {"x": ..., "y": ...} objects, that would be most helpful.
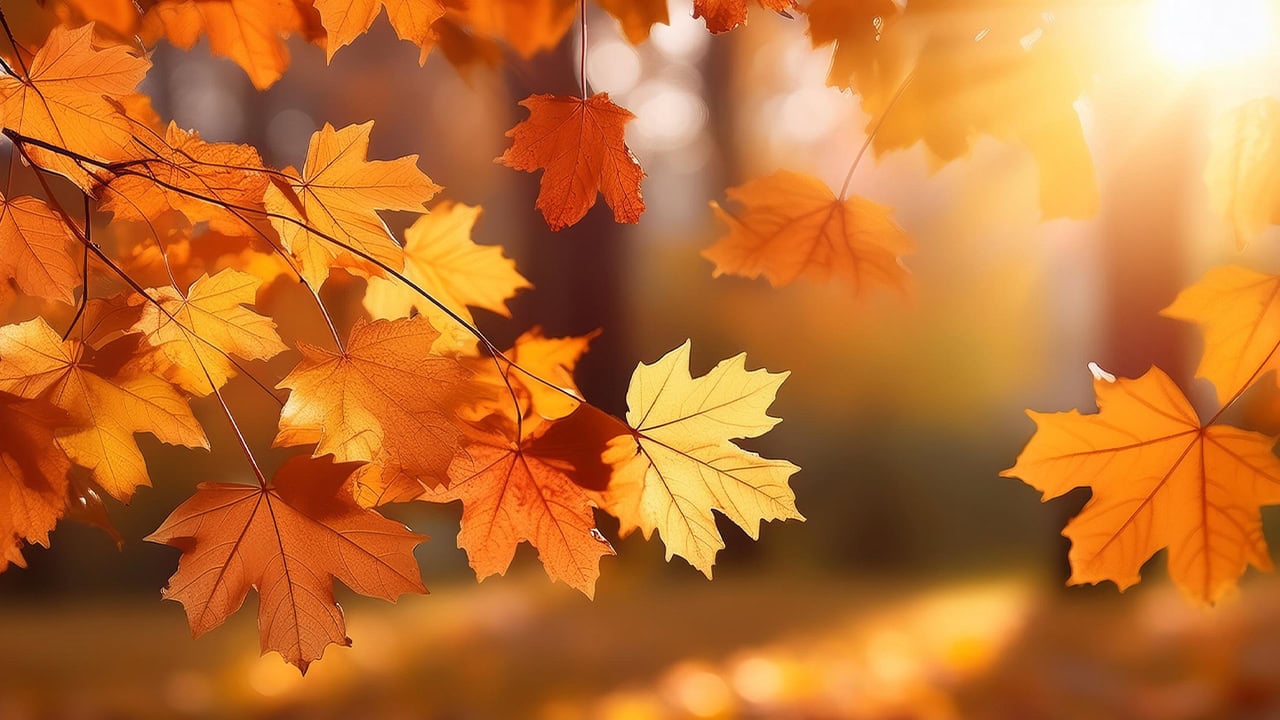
[
  {"x": 1146, "y": 176},
  {"x": 578, "y": 272}
]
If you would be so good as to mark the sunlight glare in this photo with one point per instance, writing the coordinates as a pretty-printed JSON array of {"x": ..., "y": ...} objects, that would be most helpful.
[{"x": 1194, "y": 35}]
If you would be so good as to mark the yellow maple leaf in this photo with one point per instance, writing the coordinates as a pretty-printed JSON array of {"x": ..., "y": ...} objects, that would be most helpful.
[
  {"x": 105, "y": 411},
  {"x": 1243, "y": 170},
  {"x": 337, "y": 196},
  {"x": 680, "y": 462},
  {"x": 441, "y": 258},
  {"x": 196, "y": 335}
]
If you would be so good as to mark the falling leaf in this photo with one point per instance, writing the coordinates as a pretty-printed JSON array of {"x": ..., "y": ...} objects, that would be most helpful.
[
  {"x": 680, "y": 462},
  {"x": 441, "y": 259},
  {"x": 347, "y": 20},
  {"x": 250, "y": 32},
  {"x": 336, "y": 198},
  {"x": 1244, "y": 184},
  {"x": 33, "y": 475},
  {"x": 1160, "y": 479},
  {"x": 35, "y": 249},
  {"x": 386, "y": 399},
  {"x": 196, "y": 334},
  {"x": 725, "y": 15},
  {"x": 290, "y": 541},
  {"x": 792, "y": 225},
  {"x": 64, "y": 100},
  {"x": 579, "y": 143},
  {"x": 105, "y": 411}
]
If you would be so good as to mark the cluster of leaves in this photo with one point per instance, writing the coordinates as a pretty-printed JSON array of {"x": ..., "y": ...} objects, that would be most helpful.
[{"x": 412, "y": 403}]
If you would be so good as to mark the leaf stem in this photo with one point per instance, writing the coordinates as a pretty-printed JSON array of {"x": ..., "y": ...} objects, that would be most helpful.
[
  {"x": 582, "y": 63},
  {"x": 119, "y": 271},
  {"x": 84, "y": 277},
  {"x": 844, "y": 189}
]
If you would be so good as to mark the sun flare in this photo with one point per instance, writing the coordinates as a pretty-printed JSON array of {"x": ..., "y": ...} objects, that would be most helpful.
[{"x": 1194, "y": 35}]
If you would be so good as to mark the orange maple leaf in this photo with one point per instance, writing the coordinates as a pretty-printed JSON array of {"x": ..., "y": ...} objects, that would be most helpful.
[
  {"x": 346, "y": 20},
  {"x": 725, "y": 15},
  {"x": 250, "y": 32},
  {"x": 290, "y": 541},
  {"x": 527, "y": 26},
  {"x": 33, "y": 475},
  {"x": 104, "y": 410},
  {"x": 64, "y": 100},
  {"x": 793, "y": 225},
  {"x": 1238, "y": 310},
  {"x": 386, "y": 399},
  {"x": 580, "y": 144},
  {"x": 35, "y": 249},
  {"x": 1161, "y": 479},
  {"x": 221, "y": 184},
  {"x": 336, "y": 198},
  {"x": 637, "y": 17},
  {"x": 1012, "y": 70},
  {"x": 524, "y": 491}
]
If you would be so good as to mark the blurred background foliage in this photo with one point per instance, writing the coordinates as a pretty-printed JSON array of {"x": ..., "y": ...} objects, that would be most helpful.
[{"x": 901, "y": 412}]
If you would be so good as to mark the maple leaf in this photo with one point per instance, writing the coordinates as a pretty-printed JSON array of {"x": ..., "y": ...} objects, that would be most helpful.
[
  {"x": 855, "y": 30},
  {"x": 33, "y": 475},
  {"x": 346, "y": 20},
  {"x": 196, "y": 334},
  {"x": 637, "y": 17},
  {"x": 441, "y": 258},
  {"x": 793, "y": 225},
  {"x": 121, "y": 16},
  {"x": 527, "y": 26},
  {"x": 386, "y": 399},
  {"x": 250, "y": 32},
  {"x": 35, "y": 249},
  {"x": 540, "y": 376},
  {"x": 64, "y": 100},
  {"x": 337, "y": 196},
  {"x": 290, "y": 541},
  {"x": 580, "y": 145},
  {"x": 725, "y": 15},
  {"x": 1244, "y": 185},
  {"x": 1160, "y": 479},
  {"x": 944, "y": 76},
  {"x": 215, "y": 183},
  {"x": 679, "y": 463},
  {"x": 524, "y": 491},
  {"x": 554, "y": 393},
  {"x": 105, "y": 411},
  {"x": 1238, "y": 311}
]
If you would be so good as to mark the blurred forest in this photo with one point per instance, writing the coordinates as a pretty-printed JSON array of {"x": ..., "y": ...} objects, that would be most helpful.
[{"x": 921, "y": 584}]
